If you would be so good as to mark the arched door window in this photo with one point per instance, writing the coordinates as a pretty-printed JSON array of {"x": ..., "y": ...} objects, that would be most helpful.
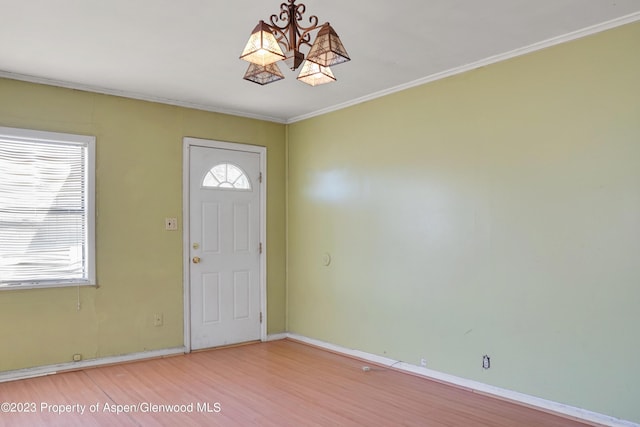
[{"x": 227, "y": 176}]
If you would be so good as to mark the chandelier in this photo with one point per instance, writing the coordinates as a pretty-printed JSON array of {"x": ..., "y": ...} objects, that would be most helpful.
[{"x": 282, "y": 39}]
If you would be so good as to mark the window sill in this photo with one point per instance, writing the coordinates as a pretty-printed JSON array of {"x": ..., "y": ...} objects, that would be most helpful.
[{"x": 21, "y": 287}]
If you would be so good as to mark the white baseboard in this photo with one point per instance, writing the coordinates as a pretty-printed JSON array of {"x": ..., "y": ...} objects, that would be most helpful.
[
  {"x": 40, "y": 371},
  {"x": 475, "y": 386},
  {"x": 276, "y": 337}
]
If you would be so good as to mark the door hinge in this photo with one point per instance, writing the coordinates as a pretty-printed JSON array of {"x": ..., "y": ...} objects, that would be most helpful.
[
  {"x": 260, "y": 248},
  {"x": 260, "y": 178},
  {"x": 260, "y": 317}
]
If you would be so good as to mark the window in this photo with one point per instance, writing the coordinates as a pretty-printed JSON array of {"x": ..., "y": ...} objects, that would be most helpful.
[
  {"x": 226, "y": 175},
  {"x": 46, "y": 209}
]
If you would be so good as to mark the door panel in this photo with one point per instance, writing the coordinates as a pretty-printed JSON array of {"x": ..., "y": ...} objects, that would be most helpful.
[
  {"x": 241, "y": 294},
  {"x": 210, "y": 227},
  {"x": 210, "y": 298},
  {"x": 241, "y": 226},
  {"x": 224, "y": 246}
]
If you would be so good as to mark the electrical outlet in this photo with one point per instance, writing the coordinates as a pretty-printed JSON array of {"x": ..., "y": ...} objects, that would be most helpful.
[
  {"x": 157, "y": 319},
  {"x": 171, "y": 224},
  {"x": 423, "y": 362},
  {"x": 77, "y": 357},
  {"x": 486, "y": 362}
]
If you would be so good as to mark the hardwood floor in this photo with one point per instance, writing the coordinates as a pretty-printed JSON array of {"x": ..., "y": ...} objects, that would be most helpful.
[{"x": 281, "y": 383}]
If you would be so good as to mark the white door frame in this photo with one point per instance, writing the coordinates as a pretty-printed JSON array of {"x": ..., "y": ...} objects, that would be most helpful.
[{"x": 187, "y": 142}]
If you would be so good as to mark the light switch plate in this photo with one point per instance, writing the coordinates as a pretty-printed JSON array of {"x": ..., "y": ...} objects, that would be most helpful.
[{"x": 171, "y": 224}]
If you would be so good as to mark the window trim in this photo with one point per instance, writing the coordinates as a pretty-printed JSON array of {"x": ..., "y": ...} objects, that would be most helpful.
[{"x": 90, "y": 171}]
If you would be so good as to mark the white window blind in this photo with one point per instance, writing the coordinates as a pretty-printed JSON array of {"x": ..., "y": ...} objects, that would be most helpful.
[{"x": 46, "y": 209}]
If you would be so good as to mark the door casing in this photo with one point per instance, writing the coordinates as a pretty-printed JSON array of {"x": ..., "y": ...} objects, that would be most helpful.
[{"x": 186, "y": 212}]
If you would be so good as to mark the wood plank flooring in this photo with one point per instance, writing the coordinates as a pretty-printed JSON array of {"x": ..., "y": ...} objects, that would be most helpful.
[{"x": 281, "y": 383}]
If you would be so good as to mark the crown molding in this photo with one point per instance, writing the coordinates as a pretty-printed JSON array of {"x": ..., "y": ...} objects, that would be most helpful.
[
  {"x": 135, "y": 95},
  {"x": 594, "y": 29}
]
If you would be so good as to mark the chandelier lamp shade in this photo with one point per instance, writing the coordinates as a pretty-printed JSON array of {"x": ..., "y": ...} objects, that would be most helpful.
[
  {"x": 263, "y": 74},
  {"x": 262, "y": 47},
  {"x": 282, "y": 40},
  {"x": 327, "y": 50},
  {"x": 315, "y": 74}
]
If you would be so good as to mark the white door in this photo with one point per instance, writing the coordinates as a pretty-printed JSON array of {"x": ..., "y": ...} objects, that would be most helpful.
[{"x": 224, "y": 230}]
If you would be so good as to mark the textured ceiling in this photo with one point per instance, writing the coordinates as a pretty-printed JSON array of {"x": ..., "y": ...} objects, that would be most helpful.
[{"x": 186, "y": 52}]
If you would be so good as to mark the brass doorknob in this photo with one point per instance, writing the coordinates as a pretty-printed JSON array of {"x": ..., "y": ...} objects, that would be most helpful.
[{"x": 196, "y": 260}]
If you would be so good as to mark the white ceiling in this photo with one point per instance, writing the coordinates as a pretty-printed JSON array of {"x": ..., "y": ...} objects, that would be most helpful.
[{"x": 186, "y": 52}]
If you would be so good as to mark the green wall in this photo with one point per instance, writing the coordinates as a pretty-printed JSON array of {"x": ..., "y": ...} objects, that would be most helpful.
[
  {"x": 139, "y": 264},
  {"x": 494, "y": 212}
]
